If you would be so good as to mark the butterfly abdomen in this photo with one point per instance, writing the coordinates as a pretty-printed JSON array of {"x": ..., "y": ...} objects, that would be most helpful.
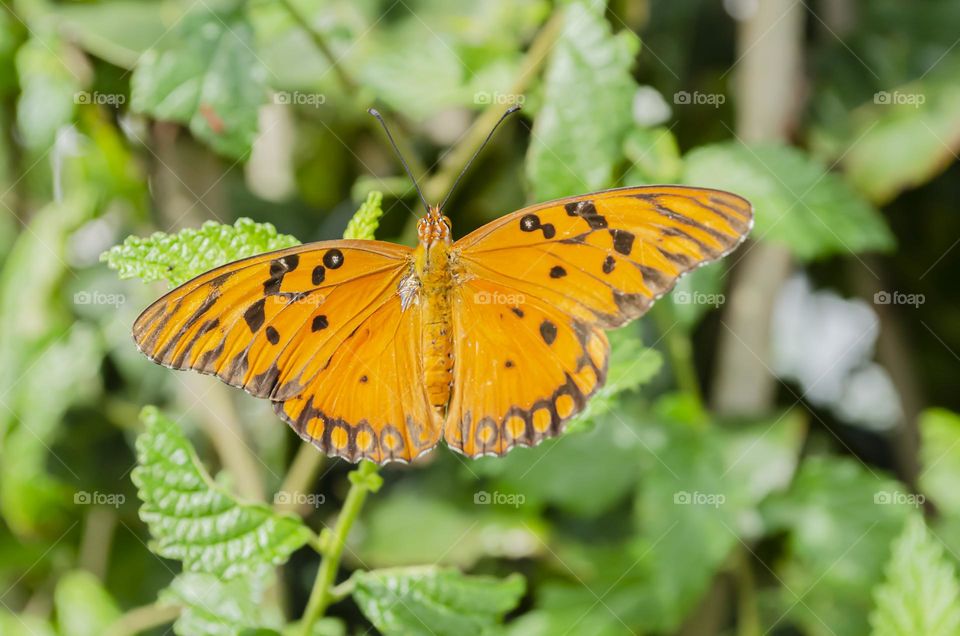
[{"x": 436, "y": 287}]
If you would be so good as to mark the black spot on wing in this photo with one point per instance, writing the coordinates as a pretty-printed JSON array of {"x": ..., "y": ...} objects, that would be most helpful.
[
  {"x": 517, "y": 311},
  {"x": 273, "y": 336},
  {"x": 333, "y": 258},
  {"x": 557, "y": 272},
  {"x": 319, "y": 323},
  {"x": 254, "y": 315},
  {"x": 531, "y": 223},
  {"x": 318, "y": 275},
  {"x": 622, "y": 241},
  {"x": 587, "y": 211},
  {"x": 548, "y": 331},
  {"x": 608, "y": 264}
]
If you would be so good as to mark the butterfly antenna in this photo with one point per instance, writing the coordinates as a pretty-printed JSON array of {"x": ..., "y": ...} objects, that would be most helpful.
[
  {"x": 506, "y": 114},
  {"x": 379, "y": 117}
]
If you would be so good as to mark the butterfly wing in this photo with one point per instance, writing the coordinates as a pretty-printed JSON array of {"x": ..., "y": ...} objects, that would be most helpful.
[
  {"x": 320, "y": 330},
  {"x": 606, "y": 257},
  {"x": 555, "y": 275},
  {"x": 522, "y": 367}
]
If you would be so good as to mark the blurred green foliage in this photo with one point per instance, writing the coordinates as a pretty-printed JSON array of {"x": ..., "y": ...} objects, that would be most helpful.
[{"x": 151, "y": 133}]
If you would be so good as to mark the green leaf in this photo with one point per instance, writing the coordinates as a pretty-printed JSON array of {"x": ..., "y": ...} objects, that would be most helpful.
[
  {"x": 797, "y": 200},
  {"x": 654, "y": 156},
  {"x": 214, "y": 607},
  {"x": 206, "y": 74},
  {"x": 13, "y": 625},
  {"x": 840, "y": 519},
  {"x": 588, "y": 91},
  {"x": 409, "y": 528},
  {"x": 940, "y": 459},
  {"x": 196, "y": 521},
  {"x": 84, "y": 607},
  {"x": 176, "y": 258},
  {"x": 48, "y": 88},
  {"x": 901, "y": 139},
  {"x": 921, "y": 595},
  {"x": 366, "y": 220},
  {"x": 434, "y": 601},
  {"x": 63, "y": 374}
]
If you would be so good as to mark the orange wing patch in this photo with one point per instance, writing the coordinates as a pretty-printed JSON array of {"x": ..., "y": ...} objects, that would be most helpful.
[
  {"x": 606, "y": 257},
  {"x": 280, "y": 326},
  {"x": 523, "y": 368}
]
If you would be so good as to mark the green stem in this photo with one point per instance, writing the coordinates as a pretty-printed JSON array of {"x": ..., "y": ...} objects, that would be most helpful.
[
  {"x": 679, "y": 350},
  {"x": 362, "y": 481},
  {"x": 348, "y": 83}
]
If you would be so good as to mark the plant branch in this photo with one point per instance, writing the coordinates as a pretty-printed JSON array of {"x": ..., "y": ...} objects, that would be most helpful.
[
  {"x": 441, "y": 182},
  {"x": 319, "y": 40},
  {"x": 140, "y": 619},
  {"x": 363, "y": 480}
]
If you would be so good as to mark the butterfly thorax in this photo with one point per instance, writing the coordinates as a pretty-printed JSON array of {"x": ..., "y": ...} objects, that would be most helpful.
[{"x": 434, "y": 267}]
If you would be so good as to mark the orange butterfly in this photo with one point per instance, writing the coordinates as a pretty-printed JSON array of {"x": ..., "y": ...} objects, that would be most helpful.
[{"x": 372, "y": 350}]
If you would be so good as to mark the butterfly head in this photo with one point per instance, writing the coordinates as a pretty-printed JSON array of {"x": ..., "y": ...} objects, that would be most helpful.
[{"x": 434, "y": 228}]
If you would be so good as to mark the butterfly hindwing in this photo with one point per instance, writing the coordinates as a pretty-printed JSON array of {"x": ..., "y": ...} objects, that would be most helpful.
[
  {"x": 606, "y": 257},
  {"x": 297, "y": 326},
  {"x": 522, "y": 369}
]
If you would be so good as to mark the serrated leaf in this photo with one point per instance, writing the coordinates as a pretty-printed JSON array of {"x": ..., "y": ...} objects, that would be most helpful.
[
  {"x": 921, "y": 595},
  {"x": 798, "y": 201},
  {"x": 940, "y": 459},
  {"x": 84, "y": 607},
  {"x": 176, "y": 258},
  {"x": 204, "y": 73},
  {"x": 196, "y": 521},
  {"x": 588, "y": 93},
  {"x": 214, "y": 607},
  {"x": 433, "y": 601}
]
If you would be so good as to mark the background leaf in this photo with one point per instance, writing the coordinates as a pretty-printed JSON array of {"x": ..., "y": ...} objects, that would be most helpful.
[
  {"x": 176, "y": 258},
  {"x": 797, "y": 201},
  {"x": 205, "y": 74},
  {"x": 921, "y": 595},
  {"x": 578, "y": 132},
  {"x": 429, "y": 600},
  {"x": 196, "y": 521}
]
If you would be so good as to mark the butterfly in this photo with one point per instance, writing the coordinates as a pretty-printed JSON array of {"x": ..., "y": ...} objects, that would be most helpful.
[{"x": 373, "y": 350}]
